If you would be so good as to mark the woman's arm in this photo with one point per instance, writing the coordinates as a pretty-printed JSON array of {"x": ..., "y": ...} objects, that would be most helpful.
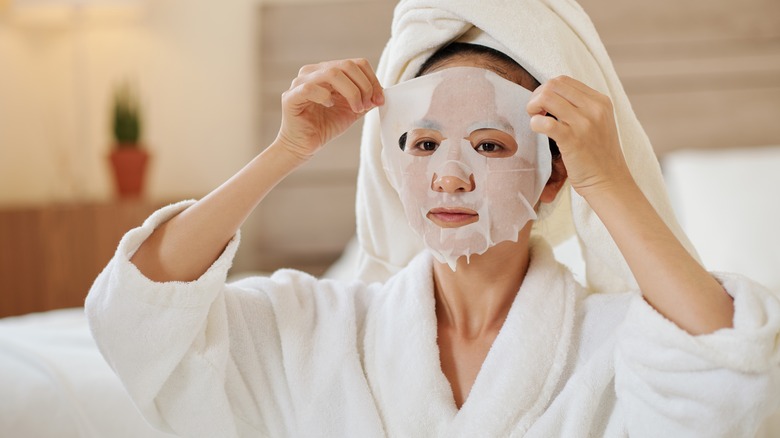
[
  {"x": 322, "y": 102},
  {"x": 670, "y": 279}
]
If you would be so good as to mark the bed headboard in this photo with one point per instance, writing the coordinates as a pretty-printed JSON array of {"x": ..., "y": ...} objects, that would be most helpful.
[{"x": 700, "y": 73}]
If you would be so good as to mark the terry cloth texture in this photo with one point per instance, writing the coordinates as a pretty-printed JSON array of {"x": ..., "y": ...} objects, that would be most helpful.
[{"x": 293, "y": 356}]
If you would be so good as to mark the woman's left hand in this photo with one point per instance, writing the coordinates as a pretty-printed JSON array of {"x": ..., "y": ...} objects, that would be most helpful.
[
  {"x": 670, "y": 279},
  {"x": 584, "y": 128}
]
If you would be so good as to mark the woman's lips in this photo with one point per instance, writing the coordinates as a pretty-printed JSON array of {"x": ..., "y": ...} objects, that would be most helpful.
[{"x": 452, "y": 217}]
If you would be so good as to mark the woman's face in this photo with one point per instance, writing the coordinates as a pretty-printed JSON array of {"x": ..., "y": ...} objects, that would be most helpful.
[{"x": 459, "y": 152}]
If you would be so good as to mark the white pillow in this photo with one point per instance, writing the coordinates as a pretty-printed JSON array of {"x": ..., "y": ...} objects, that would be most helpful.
[{"x": 728, "y": 202}]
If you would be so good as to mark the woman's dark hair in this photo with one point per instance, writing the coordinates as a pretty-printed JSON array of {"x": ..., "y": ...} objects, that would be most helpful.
[{"x": 501, "y": 65}]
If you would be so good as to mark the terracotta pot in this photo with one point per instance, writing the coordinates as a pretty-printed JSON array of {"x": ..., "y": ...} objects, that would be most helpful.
[{"x": 129, "y": 165}]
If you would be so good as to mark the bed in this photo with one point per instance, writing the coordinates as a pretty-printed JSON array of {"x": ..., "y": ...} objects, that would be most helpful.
[{"x": 55, "y": 383}]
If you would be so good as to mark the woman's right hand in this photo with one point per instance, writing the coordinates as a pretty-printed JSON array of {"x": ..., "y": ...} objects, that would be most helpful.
[{"x": 323, "y": 101}]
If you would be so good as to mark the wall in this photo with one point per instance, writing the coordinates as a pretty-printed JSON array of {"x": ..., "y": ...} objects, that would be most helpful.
[
  {"x": 195, "y": 66},
  {"x": 700, "y": 74}
]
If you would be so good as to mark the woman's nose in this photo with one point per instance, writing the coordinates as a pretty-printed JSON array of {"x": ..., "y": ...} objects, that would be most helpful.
[{"x": 452, "y": 178}]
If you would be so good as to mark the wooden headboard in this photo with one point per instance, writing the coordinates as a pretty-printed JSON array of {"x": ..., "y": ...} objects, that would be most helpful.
[{"x": 699, "y": 73}]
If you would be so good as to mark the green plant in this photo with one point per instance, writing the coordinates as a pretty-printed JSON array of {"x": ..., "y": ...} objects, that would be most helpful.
[{"x": 127, "y": 117}]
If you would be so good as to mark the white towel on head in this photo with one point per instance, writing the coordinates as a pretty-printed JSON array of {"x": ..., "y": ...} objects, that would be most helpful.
[{"x": 548, "y": 38}]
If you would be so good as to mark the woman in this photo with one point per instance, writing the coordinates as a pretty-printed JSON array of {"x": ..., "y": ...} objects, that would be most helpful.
[{"x": 501, "y": 342}]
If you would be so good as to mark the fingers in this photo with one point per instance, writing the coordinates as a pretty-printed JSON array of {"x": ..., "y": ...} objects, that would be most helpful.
[
  {"x": 345, "y": 87},
  {"x": 555, "y": 92},
  {"x": 548, "y": 101},
  {"x": 361, "y": 73},
  {"x": 554, "y": 107},
  {"x": 351, "y": 79},
  {"x": 550, "y": 127},
  {"x": 378, "y": 97},
  {"x": 567, "y": 82},
  {"x": 298, "y": 97},
  {"x": 572, "y": 103}
]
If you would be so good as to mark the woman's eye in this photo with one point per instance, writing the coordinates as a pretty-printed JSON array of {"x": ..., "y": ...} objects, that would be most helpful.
[
  {"x": 488, "y": 147},
  {"x": 427, "y": 145}
]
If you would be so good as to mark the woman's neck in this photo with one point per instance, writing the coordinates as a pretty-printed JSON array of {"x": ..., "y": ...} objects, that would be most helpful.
[{"x": 475, "y": 299}]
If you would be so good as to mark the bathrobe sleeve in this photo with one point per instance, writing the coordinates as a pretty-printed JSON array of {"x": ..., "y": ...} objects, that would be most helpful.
[
  {"x": 207, "y": 359},
  {"x": 723, "y": 384}
]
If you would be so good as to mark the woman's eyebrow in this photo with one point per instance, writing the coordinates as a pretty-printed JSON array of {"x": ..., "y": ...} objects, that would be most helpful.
[
  {"x": 500, "y": 124},
  {"x": 427, "y": 124}
]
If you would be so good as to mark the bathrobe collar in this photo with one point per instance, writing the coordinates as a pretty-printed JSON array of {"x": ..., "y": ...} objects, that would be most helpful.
[{"x": 517, "y": 379}]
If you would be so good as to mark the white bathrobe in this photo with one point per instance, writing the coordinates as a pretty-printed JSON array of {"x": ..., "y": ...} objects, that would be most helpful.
[{"x": 292, "y": 355}]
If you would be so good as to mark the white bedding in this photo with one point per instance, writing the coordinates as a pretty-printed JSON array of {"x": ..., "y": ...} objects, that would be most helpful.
[
  {"x": 54, "y": 383},
  {"x": 728, "y": 202}
]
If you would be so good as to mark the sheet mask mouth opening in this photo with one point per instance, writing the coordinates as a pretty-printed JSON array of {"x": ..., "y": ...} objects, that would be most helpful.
[{"x": 452, "y": 218}]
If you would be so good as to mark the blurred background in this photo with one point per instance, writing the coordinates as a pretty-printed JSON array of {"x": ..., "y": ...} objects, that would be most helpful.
[{"x": 703, "y": 76}]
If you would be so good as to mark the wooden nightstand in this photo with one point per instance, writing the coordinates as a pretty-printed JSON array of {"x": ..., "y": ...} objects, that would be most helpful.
[{"x": 50, "y": 255}]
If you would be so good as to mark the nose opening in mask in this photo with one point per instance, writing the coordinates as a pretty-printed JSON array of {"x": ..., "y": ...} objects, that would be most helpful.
[{"x": 453, "y": 176}]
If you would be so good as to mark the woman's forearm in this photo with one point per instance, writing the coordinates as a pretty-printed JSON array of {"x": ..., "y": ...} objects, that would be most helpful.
[
  {"x": 183, "y": 248},
  {"x": 322, "y": 102},
  {"x": 671, "y": 280}
]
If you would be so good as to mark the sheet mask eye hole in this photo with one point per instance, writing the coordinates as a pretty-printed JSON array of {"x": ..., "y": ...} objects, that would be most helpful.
[
  {"x": 402, "y": 141},
  {"x": 493, "y": 143}
]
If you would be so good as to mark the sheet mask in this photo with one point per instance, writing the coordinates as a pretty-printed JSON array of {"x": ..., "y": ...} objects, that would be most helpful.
[{"x": 460, "y": 109}]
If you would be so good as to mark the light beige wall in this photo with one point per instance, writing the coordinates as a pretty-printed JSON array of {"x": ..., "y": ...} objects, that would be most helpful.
[
  {"x": 194, "y": 62},
  {"x": 28, "y": 99}
]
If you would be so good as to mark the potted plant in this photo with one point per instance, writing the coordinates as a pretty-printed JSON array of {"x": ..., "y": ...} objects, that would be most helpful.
[{"x": 128, "y": 158}]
